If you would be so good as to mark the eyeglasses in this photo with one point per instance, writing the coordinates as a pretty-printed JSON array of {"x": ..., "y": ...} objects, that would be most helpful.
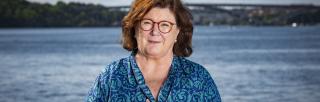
[{"x": 163, "y": 26}]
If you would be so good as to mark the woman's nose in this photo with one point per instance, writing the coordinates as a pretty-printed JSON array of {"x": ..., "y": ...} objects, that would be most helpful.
[{"x": 155, "y": 29}]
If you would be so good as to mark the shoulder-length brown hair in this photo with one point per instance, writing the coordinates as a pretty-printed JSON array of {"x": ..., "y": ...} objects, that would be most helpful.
[{"x": 139, "y": 8}]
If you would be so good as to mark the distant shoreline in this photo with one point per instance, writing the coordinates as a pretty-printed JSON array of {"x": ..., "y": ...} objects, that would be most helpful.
[
  {"x": 195, "y": 26},
  {"x": 25, "y": 14}
]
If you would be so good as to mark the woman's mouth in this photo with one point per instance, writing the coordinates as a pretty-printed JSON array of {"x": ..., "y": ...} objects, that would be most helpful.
[{"x": 153, "y": 41}]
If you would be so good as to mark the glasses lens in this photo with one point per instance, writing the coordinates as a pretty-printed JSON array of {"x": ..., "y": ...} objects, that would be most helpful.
[
  {"x": 146, "y": 24},
  {"x": 165, "y": 27}
]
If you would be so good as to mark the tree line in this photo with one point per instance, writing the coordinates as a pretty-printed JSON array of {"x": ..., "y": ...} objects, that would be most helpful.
[{"x": 21, "y": 13}]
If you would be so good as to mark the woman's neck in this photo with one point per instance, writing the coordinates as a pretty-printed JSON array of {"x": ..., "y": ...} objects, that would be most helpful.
[
  {"x": 154, "y": 70},
  {"x": 146, "y": 62}
]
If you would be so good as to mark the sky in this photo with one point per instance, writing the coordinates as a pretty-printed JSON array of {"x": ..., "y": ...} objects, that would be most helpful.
[{"x": 128, "y": 2}]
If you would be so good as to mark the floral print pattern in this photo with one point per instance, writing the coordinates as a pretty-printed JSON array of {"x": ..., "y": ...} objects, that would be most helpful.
[{"x": 122, "y": 81}]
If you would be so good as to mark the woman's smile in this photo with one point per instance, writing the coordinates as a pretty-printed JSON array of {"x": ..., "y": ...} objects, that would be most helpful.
[{"x": 154, "y": 41}]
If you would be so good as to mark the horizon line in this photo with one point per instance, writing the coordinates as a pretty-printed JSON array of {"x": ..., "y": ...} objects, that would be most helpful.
[{"x": 187, "y": 3}]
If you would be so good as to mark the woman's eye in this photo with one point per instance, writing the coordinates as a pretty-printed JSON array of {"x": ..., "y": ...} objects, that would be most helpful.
[
  {"x": 164, "y": 25},
  {"x": 146, "y": 23}
]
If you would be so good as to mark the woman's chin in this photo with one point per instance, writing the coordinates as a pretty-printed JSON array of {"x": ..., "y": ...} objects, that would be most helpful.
[{"x": 155, "y": 53}]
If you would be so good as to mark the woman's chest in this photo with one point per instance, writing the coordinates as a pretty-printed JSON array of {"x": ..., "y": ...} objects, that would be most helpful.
[{"x": 123, "y": 90}]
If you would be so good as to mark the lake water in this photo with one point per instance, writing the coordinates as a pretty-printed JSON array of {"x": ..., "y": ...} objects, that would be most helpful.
[{"x": 248, "y": 64}]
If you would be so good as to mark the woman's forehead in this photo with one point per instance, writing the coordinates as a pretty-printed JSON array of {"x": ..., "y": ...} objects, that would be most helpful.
[{"x": 160, "y": 14}]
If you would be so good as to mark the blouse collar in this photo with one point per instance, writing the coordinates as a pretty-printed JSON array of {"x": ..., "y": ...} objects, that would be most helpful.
[{"x": 165, "y": 89}]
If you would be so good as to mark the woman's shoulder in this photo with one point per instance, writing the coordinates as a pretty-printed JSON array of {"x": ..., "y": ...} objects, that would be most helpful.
[
  {"x": 192, "y": 68},
  {"x": 198, "y": 79},
  {"x": 115, "y": 67}
]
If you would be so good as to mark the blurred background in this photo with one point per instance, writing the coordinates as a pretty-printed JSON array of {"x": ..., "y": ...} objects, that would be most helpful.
[{"x": 256, "y": 50}]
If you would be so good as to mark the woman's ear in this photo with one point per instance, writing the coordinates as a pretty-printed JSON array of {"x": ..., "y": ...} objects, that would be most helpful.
[
  {"x": 178, "y": 29},
  {"x": 178, "y": 32}
]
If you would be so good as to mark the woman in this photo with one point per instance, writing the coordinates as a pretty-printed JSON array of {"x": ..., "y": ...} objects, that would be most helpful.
[{"x": 158, "y": 32}]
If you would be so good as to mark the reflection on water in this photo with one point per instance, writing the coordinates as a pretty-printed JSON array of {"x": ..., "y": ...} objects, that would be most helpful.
[{"x": 249, "y": 64}]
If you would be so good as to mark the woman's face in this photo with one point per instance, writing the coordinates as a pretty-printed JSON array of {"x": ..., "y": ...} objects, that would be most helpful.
[{"x": 157, "y": 33}]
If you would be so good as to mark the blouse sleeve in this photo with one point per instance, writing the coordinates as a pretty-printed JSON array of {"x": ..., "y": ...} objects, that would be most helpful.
[
  {"x": 211, "y": 90},
  {"x": 100, "y": 90}
]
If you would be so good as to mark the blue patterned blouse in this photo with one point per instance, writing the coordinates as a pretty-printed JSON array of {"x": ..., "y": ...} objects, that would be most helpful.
[{"x": 122, "y": 81}]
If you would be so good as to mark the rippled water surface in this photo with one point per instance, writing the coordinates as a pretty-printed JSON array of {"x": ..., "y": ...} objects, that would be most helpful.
[{"x": 249, "y": 64}]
